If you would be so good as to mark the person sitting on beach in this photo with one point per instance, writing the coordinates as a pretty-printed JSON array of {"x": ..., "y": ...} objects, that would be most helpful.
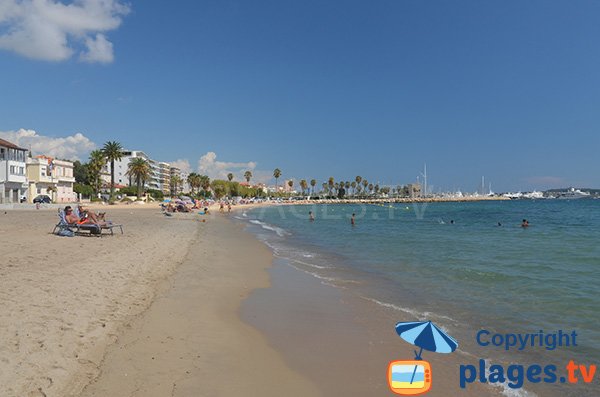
[
  {"x": 206, "y": 211},
  {"x": 525, "y": 223},
  {"x": 85, "y": 213},
  {"x": 72, "y": 218}
]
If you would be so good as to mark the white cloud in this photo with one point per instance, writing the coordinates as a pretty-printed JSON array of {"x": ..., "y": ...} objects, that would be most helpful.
[
  {"x": 98, "y": 50},
  {"x": 52, "y": 31},
  {"x": 215, "y": 169},
  {"x": 72, "y": 147}
]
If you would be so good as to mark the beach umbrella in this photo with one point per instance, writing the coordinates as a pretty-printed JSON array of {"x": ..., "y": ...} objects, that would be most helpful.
[{"x": 426, "y": 335}]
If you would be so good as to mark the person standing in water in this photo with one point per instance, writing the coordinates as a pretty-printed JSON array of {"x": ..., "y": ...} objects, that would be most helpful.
[
  {"x": 311, "y": 217},
  {"x": 352, "y": 219}
]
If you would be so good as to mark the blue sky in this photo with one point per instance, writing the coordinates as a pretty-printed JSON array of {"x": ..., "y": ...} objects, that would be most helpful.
[{"x": 509, "y": 90}]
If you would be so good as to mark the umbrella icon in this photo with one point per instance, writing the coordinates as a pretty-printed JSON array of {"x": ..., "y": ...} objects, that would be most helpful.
[{"x": 425, "y": 335}]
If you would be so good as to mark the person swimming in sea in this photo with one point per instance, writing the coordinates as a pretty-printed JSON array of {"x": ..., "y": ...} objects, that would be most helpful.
[
  {"x": 352, "y": 222},
  {"x": 311, "y": 217},
  {"x": 525, "y": 223}
]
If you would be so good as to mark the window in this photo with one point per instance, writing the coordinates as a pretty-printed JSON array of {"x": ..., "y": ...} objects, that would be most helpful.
[
  {"x": 43, "y": 171},
  {"x": 2, "y": 154}
]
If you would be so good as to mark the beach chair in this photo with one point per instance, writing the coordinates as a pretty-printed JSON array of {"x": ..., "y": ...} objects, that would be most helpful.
[
  {"x": 94, "y": 230},
  {"x": 74, "y": 227},
  {"x": 109, "y": 226}
]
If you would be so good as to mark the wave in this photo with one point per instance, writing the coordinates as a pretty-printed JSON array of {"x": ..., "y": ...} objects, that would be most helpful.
[
  {"x": 280, "y": 232},
  {"x": 417, "y": 314}
]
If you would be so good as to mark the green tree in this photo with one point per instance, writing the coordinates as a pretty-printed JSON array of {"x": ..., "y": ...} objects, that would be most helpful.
[
  {"x": 248, "y": 176},
  {"x": 313, "y": 183},
  {"x": 303, "y": 185},
  {"x": 353, "y": 185},
  {"x": 365, "y": 183},
  {"x": 95, "y": 165},
  {"x": 291, "y": 184},
  {"x": 80, "y": 172},
  {"x": 139, "y": 169},
  {"x": 112, "y": 151},
  {"x": 175, "y": 183},
  {"x": 194, "y": 181},
  {"x": 331, "y": 184},
  {"x": 276, "y": 175}
]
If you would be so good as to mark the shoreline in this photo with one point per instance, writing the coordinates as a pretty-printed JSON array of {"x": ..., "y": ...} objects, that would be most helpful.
[{"x": 191, "y": 341}]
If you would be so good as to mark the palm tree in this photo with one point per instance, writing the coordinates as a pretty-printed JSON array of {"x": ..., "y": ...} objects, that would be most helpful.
[
  {"x": 139, "y": 169},
  {"x": 365, "y": 183},
  {"x": 276, "y": 175},
  {"x": 204, "y": 183},
  {"x": 303, "y": 185},
  {"x": 291, "y": 184},
  {"x": 347, "y": 186},
  {"x": 353, "y": 184},
  {"x": 230, "y": 177},
  {"x": 248, "y": 176},
  {"x": 313, "y": 183},
  {"x": 95, "y": 165},
  {"x": 370, "y": 188},
  {"x": 331, "y": 184},
  {"x": 175, "y": 183},
  {"x": 358, "y": 179},
  {"x": 113, "y": 151},
  {"x": 191, "y": 179}
]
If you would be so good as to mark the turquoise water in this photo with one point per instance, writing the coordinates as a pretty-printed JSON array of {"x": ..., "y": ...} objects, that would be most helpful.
[{"x": 466, "y": 275}]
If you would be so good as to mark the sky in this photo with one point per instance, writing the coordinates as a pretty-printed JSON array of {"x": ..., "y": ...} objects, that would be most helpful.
[{"x": 509, "y": 90}]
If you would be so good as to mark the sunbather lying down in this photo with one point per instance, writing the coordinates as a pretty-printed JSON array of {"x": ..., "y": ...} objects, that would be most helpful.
[{"x": 85, "y": 217}]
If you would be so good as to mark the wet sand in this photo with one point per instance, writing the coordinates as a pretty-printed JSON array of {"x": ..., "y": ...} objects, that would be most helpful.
[{"x": 191, "y": 341}]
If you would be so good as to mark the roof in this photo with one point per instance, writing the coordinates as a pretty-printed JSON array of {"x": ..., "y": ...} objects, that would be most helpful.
[{"x": 9, "y": 145}]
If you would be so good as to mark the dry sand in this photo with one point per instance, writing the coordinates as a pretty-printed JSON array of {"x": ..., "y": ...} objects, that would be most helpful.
[{"x": 64, "y": 301}]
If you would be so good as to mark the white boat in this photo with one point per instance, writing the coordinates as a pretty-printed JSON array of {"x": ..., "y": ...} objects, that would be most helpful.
[
  {"x": 534, "y": 195},
  {"x": 573, "y": 193}
]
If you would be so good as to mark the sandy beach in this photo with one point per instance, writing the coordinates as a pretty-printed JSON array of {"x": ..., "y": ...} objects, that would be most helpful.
[
  {"x": 182, "y": 305},
  {"x": 71, "y": 305}
]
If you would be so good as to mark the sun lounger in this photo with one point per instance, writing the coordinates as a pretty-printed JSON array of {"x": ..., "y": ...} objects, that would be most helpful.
[
  {"x": 108, "y": 226},
  {"x": 94, "y": 230}
]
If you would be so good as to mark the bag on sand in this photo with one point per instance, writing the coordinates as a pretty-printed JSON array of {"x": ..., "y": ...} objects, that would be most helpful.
[{"x": 65, "y": 232}]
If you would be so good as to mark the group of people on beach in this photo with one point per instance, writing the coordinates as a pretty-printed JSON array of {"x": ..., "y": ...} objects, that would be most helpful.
[{"x": 84, "y": 216}]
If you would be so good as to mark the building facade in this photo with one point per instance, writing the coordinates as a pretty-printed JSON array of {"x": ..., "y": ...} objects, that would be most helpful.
[
  {"x": 13, "y": 179},
  {"x": 51, "y": 177}
]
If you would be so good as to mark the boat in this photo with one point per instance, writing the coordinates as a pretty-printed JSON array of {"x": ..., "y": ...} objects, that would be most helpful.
[{"x": 573, "y": 193}]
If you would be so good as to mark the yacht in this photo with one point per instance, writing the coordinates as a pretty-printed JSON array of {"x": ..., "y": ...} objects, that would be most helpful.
[{"x": 573, "y": 193}]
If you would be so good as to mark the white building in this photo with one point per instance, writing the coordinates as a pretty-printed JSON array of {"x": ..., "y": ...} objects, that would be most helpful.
[
  {"x": 121, "y": 167},
  {"x": 13, "y": 181},
  {"x": 160, "y": 172}
]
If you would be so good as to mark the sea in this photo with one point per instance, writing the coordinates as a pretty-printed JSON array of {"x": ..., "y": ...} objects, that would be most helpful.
[{"x": 466, "y": 266}]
